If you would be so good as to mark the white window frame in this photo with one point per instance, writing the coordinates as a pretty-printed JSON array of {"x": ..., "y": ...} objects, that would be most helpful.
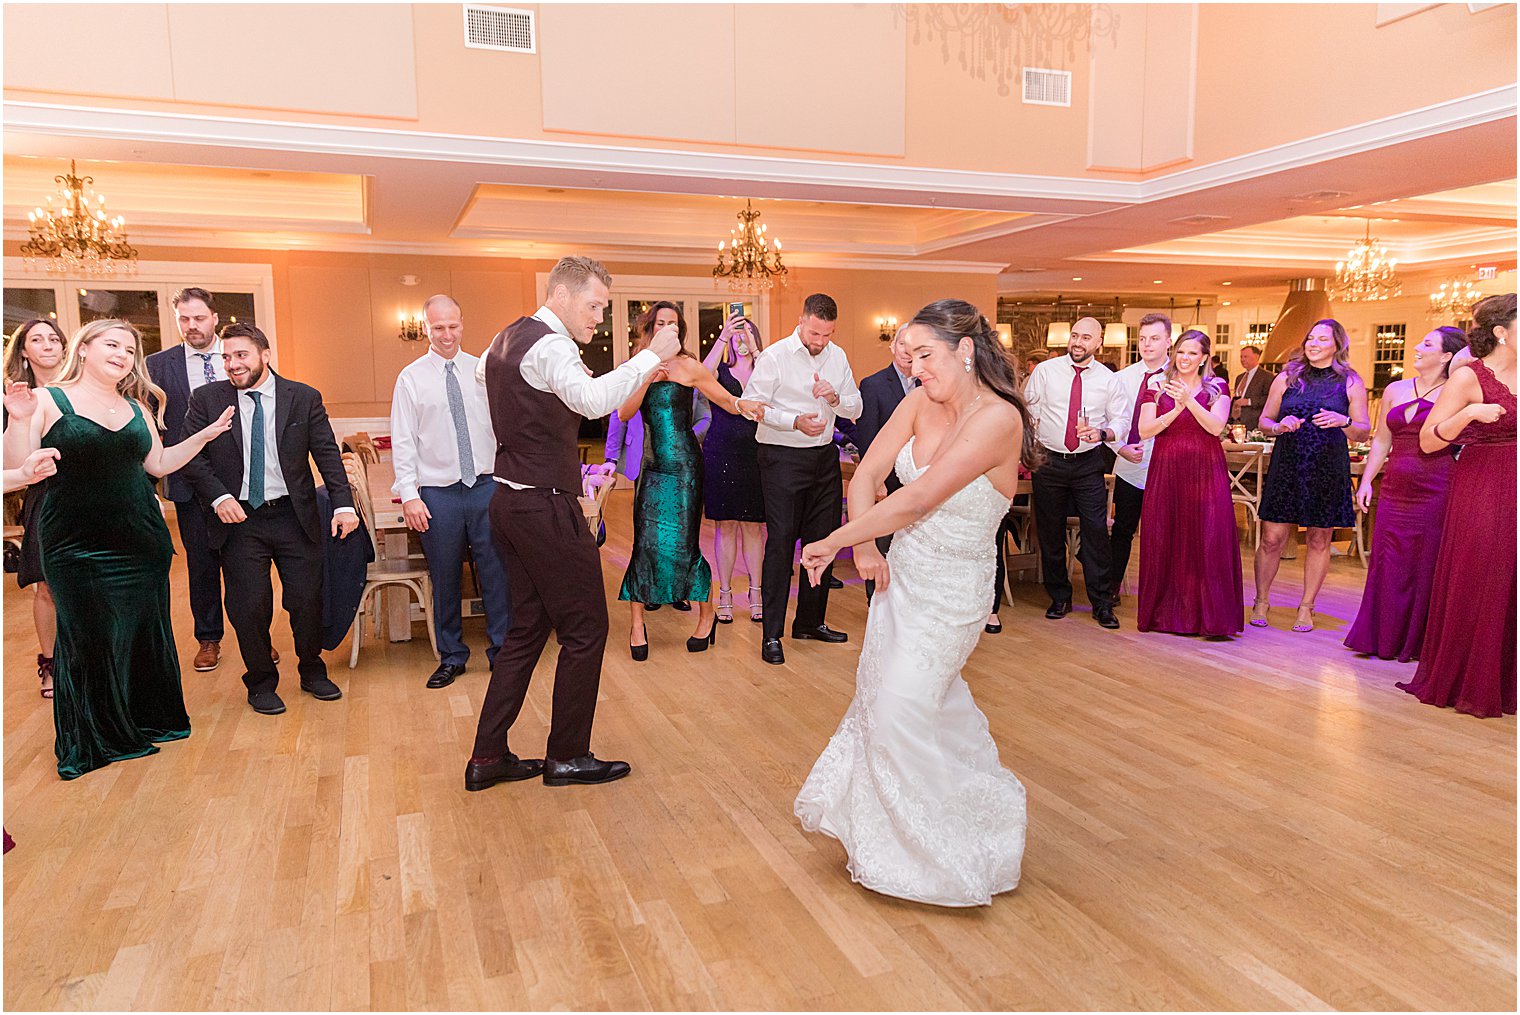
[{"x": 163, "y": 277}]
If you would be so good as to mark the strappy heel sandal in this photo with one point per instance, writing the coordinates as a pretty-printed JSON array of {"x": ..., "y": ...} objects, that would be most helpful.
[
  {"x": 1260, "y": 621},
  {"x": 1300, "y": 624},
  {"x": 756, "y": 608},
  {"x": 725, "y": 606},
  {"x": 45, "y": 672}
]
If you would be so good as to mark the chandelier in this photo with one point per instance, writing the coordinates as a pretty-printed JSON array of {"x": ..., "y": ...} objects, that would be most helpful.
[
  {"x": 1453, "y": 301},
  {"x": 1367, "y": 273},
  {"x": 751, "y": 258},
  {"x": 1006, "y": 37},
  {"x": 72, "y": 234}
]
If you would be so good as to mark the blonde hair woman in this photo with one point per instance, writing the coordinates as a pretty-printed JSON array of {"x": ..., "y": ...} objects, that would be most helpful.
[{"x": 105, "y": 548}]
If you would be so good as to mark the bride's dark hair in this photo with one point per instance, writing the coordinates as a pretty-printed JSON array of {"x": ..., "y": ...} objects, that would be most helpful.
[{"x": 953, "y": 320}]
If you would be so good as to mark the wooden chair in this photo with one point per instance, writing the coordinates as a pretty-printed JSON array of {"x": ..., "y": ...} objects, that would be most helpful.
[
  {"x": 595, "y": 489},
  {"x": 1363, "y": 521},
  {"x": 1074, "y": 527},
  {"x": 382, "y": 574},
  {"x": 362, "y": 445},
  {"x": 1246, "y": 463}
]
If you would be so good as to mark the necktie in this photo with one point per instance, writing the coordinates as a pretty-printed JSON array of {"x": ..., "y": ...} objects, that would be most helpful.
[
  {"x": 206, "y": 366},
  {"x": 256, "y": 453},
  {"x": 1134, "y": 421},
  {"x": 1073, "y": 405},
  {"x": 467, "y": 473}
]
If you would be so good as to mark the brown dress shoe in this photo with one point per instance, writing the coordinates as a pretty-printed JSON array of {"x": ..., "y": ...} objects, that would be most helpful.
[{"x": 209, "y": 657}]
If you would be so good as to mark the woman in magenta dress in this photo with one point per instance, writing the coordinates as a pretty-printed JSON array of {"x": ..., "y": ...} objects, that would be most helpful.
[
  {"x": 1411, "y": 507},
  {"x": 1189, "y": 554},
  {"x": 1468, "y": 656}
]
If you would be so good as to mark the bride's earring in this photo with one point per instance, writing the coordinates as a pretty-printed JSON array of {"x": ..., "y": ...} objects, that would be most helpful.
[{"x": 967, "y": 361}]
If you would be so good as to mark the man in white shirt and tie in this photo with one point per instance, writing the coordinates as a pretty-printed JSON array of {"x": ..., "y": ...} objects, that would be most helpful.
[
  {"x": 1134, "y": 460},
  {"x": 443, "y": 450},
  {"x": 1078, "y": 404},
  {"x": 805, "y": 380}
]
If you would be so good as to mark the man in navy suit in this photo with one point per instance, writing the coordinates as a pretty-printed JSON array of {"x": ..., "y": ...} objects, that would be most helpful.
[
  {"x": 180, "y": 370},
  {"x": 881, "y": 393}
]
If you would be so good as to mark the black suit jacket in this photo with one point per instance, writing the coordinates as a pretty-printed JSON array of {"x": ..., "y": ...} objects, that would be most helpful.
[
  {"x": 167, "y": 369},
  {"x": 302, "y": 432},
  {"x": 1249, "y": 403},
  {"x": 880, "y": 395}
]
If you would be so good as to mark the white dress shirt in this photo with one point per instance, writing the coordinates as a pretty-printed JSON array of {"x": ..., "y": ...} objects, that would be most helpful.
[
  {"x": 906, "y": 380},
  {"x": 1048, "y": 392},
  {"x": 1129, "y": 379},
  {"x": 274, "y": 479},
  {"x": 424, "y": 447},
  {"x": 195, "y": 368},
  {"x": 783, "y": 380},
  {"x": 554, "y": 366}
]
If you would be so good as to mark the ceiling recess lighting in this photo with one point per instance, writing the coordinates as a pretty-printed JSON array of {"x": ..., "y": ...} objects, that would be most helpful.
[
  {"x": 1155, "y": 281},
  {"x": 1076, "y": 278},
  {"x": 1227, "y": 283}
]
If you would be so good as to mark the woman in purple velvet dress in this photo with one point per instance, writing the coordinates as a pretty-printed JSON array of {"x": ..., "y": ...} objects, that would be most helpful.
[
  {"x": 1411, "y": 507},
  {"x": 1468, "y": 657},
  {"x": 1189, "y": 554}
]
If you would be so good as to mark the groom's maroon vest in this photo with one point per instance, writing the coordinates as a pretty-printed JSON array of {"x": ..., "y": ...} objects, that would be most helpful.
[{"x": 536, "y": 433}]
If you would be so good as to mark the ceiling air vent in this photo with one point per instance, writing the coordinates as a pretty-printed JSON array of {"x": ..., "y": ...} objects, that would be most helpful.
[
  {"x": 501, "y": 28},
  {"x": 1047, "y": 87},
  {"x": 1321, "y": 195},
  {"x": 1199, "y": 220}
]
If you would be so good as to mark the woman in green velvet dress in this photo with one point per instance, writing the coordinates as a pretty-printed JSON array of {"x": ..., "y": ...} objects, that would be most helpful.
[
  {"x": 667, "y": 565},
  {"x": 106, "y": 549}
]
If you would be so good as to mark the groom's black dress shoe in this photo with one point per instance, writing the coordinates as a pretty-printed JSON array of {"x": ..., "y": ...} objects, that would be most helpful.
[
  {"x": 820, "y": 633},
  {"x": 444, "y": 675},
  {"x": 835, "y": 583},
  {"x": 507, "y": 768},
  {"x": 585, "y": 769},
  {"x": 1058, "y": 609},
  {"x": 1104, "y": 615},
  {"x": 770, "y": 651}
]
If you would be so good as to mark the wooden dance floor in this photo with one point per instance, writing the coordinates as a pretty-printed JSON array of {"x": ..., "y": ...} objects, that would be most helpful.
[{"x": 1264, "y": 824}]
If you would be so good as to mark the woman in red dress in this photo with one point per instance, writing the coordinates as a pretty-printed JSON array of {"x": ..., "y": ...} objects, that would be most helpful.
[
  {"x": 1189, "y": 554},
  {"x": 1468, "y": 657}
]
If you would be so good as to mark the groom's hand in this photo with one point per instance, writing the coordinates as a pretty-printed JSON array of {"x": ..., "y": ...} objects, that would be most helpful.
[{"x": 666, "y": 343}]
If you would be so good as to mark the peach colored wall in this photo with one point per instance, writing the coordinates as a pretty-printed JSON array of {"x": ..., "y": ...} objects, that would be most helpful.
[{"x": 1266, "y": 74}]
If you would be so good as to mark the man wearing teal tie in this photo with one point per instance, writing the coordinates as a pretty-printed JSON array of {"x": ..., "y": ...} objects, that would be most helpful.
[{"x": 256, "y": 480}]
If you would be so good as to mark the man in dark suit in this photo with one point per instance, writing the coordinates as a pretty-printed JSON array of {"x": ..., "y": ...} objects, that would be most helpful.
[
  {"x": 880, "y": 394},
  {"x": 180, "y": 371},
  {"x": 1251, "y": 387},
  {"x": 256, "y": 479}
]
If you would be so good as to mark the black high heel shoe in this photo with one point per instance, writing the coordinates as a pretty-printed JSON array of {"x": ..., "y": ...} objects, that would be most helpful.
[
  {"x": 640, "y": 653},
  {"x": 701, "y": 644}
]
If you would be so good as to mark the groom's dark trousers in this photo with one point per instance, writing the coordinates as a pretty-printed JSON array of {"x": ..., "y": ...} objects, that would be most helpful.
[{"x": 556, "y": 581}]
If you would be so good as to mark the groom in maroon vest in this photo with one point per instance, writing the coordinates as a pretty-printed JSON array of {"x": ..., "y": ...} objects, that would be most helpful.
[{"x": 539, "y": 390}]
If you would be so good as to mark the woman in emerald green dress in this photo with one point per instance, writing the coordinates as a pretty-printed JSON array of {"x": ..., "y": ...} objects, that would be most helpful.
[
  {"x": 106, "y": 549},
  {"x": 667, "y": 565}
]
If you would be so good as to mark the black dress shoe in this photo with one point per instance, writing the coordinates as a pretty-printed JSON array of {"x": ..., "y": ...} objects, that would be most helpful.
[
  {"x": 681, "y": 606},
  {"x": 265, "y": 702},
  {"x": 444, "y": 675},
  {"x": 507, "y": 768},
  {"x": 322, "y": 689},
  {"x": 586, "y": 769},
  {"x": 1104, "y": 615},
  {"x": 820, "y": 633},
  {"x": 770, "y": 651},
  {"x": 835, "y": 583},
  {"x": 651, "y": 607},
  {"x": 1058, "y": 609}
]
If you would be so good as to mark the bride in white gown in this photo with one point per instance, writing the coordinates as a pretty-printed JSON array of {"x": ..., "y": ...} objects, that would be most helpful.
[{"x": 911, "y": 783}]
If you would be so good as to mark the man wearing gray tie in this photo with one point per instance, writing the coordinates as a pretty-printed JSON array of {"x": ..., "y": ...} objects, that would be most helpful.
[{"x": 443, "y": 451}]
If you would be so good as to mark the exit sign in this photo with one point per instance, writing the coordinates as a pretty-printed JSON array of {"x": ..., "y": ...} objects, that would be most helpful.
[{"x": 1488, "y": 271}]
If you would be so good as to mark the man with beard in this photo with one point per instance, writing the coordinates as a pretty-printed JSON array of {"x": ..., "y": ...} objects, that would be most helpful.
[{"x": 256, "y": 479}]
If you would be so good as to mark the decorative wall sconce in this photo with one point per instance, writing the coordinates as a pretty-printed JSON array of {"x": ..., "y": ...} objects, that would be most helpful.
[
  {"x": 413, "y": 328},
  {"x": 1005, "y": 335},
  {"x": 888, "y": 328}
]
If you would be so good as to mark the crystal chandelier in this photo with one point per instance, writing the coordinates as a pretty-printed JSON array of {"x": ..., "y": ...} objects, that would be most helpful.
[
  {"x": 1367, "y": 273},
  {"x": 1006, "y": 37},
  {"x": 72, "y": 235},
  {"x": 750, "y": 259},
  {"x": 1453, "y": 301}
]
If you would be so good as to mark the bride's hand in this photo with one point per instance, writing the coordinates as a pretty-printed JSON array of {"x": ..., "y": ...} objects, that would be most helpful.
[
  {"x": 871, "y": 565},
  {"x": 816, "y": 557}
]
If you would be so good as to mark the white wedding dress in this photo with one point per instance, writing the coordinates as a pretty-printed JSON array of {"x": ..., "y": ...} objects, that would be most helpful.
[{"x": 910, "y": 783}]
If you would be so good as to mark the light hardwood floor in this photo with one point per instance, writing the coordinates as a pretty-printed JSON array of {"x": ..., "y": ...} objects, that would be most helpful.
[{"x": 1266, "y": 823}]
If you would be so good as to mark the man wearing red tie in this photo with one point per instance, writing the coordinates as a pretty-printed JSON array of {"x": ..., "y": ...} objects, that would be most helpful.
[
  {"x": 1134, "y": 460},
  {"x": 1077, "y": 404}
]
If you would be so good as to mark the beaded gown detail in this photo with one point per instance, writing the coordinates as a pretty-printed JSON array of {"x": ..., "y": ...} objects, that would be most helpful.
[
  {"x": 1467, "y": 659},
  {"x": 666, "y": 565},
  {"x": 1309, "y": 478},
  {"x": 911, "y": 783}
]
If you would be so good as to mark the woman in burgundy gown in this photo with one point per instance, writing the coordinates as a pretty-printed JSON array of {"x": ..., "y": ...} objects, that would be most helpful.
[
  {"x": 1189, "y": 554},
  {"x": 1411, "y": 507},
  {"x": 1468, "y": 657}
]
